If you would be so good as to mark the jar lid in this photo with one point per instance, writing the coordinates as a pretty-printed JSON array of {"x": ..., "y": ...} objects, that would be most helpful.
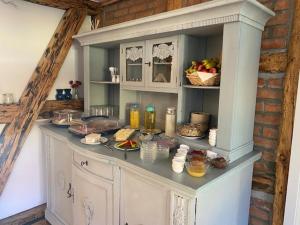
[
  {"x": 171, "y": 110},
  {"x": 150, "y": 108},
  {"x": 135, "y": 106}
]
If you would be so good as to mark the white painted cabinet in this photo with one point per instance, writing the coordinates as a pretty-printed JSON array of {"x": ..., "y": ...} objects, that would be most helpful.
[
  {"x": 107, "y": 191},
  {"x": 81, "y": 190},
  {"x": 93, "y": 199},
  {"x": 59, "y": 171},
  {"x": 150, "y": 64},
  {"x": 143, "y": 202}
]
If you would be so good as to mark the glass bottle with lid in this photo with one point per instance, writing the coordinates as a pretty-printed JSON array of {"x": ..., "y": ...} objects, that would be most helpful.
[
  {"x": 170, "y": 125},
  {"x": 149, "y": 120},
  {"x": 135, "y": 116}
]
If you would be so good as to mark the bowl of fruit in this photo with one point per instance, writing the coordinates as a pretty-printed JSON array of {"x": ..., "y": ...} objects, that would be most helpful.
[{"x": 204, "y": 73}]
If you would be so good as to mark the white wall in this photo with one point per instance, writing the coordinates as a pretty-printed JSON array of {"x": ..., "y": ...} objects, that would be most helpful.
[{"x": 25, "y": 31}]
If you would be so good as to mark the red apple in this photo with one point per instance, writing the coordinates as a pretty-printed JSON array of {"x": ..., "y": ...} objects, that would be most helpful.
[
  {"x": 200, "y": 67},
  {"x": 213, "y": 70}
]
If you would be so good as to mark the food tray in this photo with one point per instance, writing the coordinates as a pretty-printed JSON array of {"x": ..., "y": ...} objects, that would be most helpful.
[
  {"x": 64, "y": 118},
  {"x": 96, "y": 125}
]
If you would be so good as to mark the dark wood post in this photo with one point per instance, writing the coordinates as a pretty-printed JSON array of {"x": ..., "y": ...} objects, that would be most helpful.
[{"x": 286, "y": 129}]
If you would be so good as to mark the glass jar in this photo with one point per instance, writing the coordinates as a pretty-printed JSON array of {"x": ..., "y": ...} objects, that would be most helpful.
[
  {"x": 170, "y": 125},
  {"x": 8, "y": 99},
  {"x": 135, "y": 116},
  {"x": 149, "y": 120}
]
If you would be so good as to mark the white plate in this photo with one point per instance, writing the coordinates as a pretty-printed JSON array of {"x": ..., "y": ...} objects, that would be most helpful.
[
  {"x": 191, "y": 138},
  {"x": 102, "y": 141}
]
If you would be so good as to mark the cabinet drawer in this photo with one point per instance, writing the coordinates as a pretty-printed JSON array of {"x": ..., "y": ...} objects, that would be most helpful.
[{"x": 99, "y": 167}]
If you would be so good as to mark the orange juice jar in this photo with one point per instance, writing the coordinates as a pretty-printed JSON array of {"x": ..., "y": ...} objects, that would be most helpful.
[{"x": 135, "y": 116}]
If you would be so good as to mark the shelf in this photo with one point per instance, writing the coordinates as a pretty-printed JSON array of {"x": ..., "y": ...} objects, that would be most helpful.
[
  {"x": 202, "y": 87},
  {"x": 166, "y": 63},
  {"x": 197, "y": 144},
  {"x": 134, "y": 64},
  {"x": 8, "y": 112},
  {"x": 103, "y": 82}
]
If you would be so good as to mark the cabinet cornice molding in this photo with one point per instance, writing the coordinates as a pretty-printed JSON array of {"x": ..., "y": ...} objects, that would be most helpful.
[{"x": 217, "y": 12}]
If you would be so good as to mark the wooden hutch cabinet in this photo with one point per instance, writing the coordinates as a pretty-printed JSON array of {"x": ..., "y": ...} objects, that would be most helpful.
[{"x": 152, "y": 54}]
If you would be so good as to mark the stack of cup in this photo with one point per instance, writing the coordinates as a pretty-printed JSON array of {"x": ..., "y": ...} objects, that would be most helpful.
[
  {"x": 212, "y": 138},
  {"x": 148, "y": 151},
  {"x": 179, "y": 158}
]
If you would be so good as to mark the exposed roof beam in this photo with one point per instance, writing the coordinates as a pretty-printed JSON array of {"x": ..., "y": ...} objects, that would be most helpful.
[
  {"x": 36, "y": 92},
  {"x": 93, "y": 7}
]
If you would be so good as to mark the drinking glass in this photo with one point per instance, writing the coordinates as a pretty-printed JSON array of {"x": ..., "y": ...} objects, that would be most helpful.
[{"x": 8, "y": 99}]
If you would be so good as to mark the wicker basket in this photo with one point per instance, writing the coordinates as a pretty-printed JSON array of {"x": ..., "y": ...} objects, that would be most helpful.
[{"x": 200, "y": 79}]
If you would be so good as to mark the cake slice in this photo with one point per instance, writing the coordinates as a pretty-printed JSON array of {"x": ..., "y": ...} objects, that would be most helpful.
[{"x": 92, "y": 138}]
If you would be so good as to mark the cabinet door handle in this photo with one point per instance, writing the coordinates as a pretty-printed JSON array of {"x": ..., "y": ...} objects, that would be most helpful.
[
  {"x": 84, "y": 163},
  {"x": 69, "y": 192},
  {"x": 148, "y": 63}
]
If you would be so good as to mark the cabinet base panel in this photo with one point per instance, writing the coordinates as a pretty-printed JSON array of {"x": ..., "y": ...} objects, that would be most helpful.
[
  {"x": 52, "y": 218},
  {"x": 226, "y": 201}
]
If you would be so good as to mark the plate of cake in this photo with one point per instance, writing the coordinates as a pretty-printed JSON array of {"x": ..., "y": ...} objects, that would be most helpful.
[{"x": 93, "y": 139}]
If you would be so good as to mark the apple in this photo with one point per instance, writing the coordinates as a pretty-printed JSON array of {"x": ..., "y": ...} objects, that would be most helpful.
[{"x": 213, "y": 70}]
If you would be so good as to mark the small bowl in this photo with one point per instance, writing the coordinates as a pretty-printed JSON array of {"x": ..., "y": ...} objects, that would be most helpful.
[
  {"x": 219, "y": 163},
  {"x": 196, "y": 168}
]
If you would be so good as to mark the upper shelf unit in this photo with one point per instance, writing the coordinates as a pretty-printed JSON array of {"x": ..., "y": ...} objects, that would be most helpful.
[
  {"x": 232, "y": 26},
  {"x": 205, "y": 18}
]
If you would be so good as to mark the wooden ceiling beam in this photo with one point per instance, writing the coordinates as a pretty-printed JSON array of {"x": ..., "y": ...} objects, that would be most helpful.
[
  {"x": 37, "y": 90},
  {"x": 93, "y": 8}
]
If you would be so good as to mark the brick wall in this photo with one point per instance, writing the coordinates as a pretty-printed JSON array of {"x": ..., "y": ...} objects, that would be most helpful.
[{"x": 270, "y": 87}]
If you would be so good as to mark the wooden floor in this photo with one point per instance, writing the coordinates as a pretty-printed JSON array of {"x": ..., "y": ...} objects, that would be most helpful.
[
  {"x": 34, "y": 216},
  {"x": 41, "y": 222}
]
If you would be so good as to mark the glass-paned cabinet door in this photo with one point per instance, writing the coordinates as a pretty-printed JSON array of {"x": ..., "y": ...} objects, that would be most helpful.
[
  {"x": 162, "y": 54},
  {"x": 132, "y": 63}
]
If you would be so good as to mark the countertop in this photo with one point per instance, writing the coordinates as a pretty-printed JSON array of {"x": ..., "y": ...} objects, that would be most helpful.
[{"x": 161, "y": 168}]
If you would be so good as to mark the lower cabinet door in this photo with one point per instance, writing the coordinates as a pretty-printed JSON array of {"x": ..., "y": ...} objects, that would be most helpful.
[
  {"x": 93, "y": 199},
  {"x": 59, "y": 166},
  {"x": 143, "y": 202}
]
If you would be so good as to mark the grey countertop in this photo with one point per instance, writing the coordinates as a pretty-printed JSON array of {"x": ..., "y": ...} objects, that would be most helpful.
[{"x": 162, "y": 168}]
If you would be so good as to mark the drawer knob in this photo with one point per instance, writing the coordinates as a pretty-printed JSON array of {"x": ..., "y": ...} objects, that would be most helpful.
[{"x": 84, "y": 163}]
